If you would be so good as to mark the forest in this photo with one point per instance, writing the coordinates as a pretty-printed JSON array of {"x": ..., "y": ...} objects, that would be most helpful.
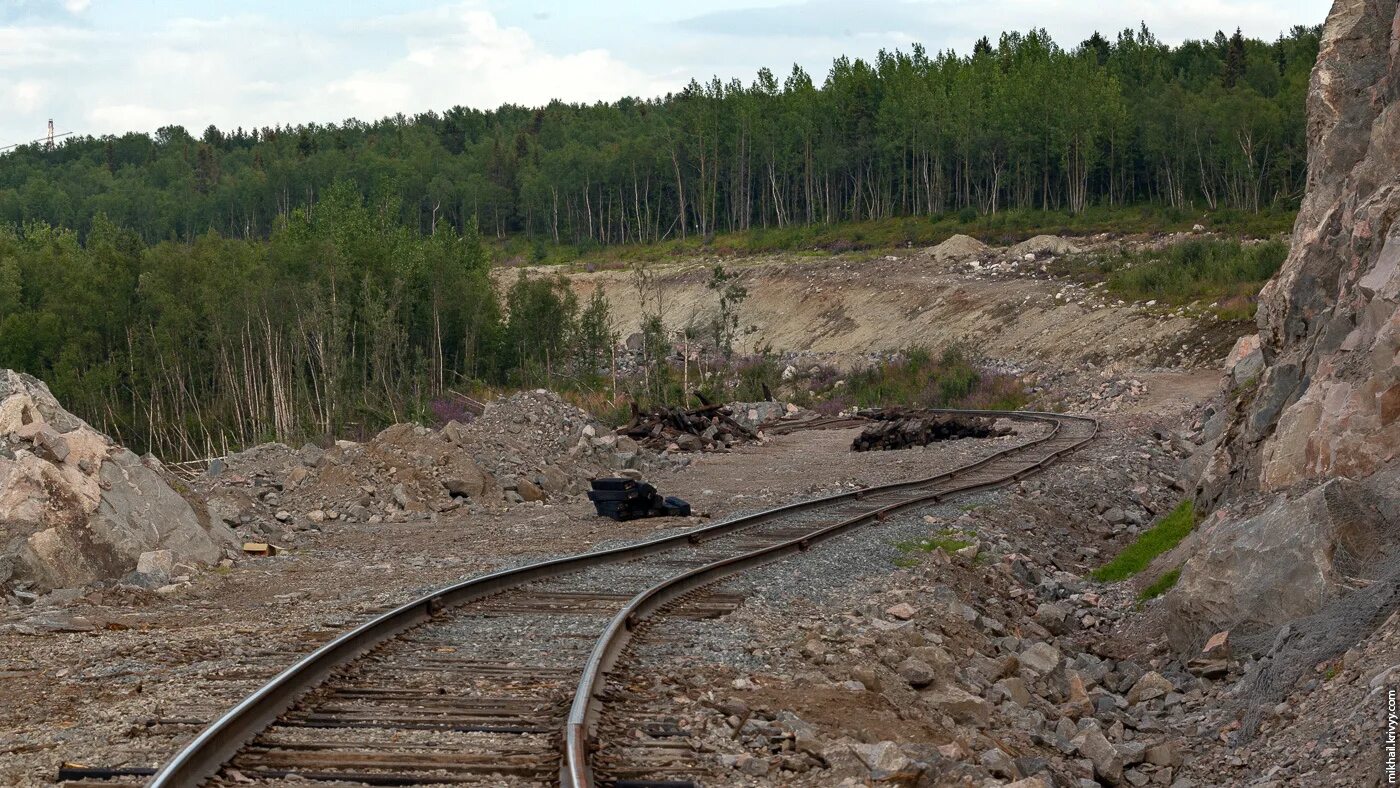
[
  {"x": 195, "y": 295},
  {"x": 1023, "y": 124}
]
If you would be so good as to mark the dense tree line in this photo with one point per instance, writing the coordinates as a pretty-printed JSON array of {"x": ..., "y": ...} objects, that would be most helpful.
[
  {"x": 343, "y": 322},
  {"x": 190, "y": 295},
  {"x": 1022, "y": 124}
]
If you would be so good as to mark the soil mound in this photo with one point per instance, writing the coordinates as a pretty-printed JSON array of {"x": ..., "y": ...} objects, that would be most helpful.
[{"x": 958, "y": 248}]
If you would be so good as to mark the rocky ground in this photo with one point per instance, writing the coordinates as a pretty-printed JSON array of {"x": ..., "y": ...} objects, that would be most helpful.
[
  {"x": 118, "y": 674},
  {"x": 959, "y": 644},
  {"x": 990, "y": 657}
]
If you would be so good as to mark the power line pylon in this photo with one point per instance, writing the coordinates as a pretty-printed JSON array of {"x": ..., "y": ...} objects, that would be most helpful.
[{"x": 48, "y": 142}]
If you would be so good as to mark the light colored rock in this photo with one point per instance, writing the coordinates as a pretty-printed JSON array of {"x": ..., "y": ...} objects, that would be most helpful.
[
  {"x": 1013, "y": 688},
  {"x": 1245, "y": 361},
  {"x": 1044, "y": 244},
  {"x": 957, "y": 248},
  {"x": 554, "y": 481},
  {"x": 1150, "y": 686},
  {"x": 63, "y": 527},
  {"x": 958, "y": 704},
  {"x": 902, "y": 611},
  {"x": 882, "y": 757},
  {"x": 1108, "y": 762},
  {"x": 1079, "y": 704},
  {"x": 528, "y": 490},
  {"x": 1041, "y": 657}
]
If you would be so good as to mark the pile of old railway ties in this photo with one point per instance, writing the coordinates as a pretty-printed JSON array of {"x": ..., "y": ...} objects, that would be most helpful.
[{"x": 709, "y": 427}]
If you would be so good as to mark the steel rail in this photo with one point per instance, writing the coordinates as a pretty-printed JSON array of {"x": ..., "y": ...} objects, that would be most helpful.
[
  {"x": 576, "y": 769},
  {"x": 219, "y": 741}
]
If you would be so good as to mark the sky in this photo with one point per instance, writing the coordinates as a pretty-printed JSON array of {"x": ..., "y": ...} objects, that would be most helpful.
[{"x": 110, "y": 66}]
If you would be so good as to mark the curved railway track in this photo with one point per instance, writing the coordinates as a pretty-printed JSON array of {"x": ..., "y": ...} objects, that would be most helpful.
[{"x": 454, "y": 688}]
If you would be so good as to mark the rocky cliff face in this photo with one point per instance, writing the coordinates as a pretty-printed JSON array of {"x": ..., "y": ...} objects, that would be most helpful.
[
  {"x": 75, "y": 508},
  {"x": 1327, "y": 402}
]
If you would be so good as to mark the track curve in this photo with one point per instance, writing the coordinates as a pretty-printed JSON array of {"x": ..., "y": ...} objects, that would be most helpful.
[{"x": 396, "y": 701}]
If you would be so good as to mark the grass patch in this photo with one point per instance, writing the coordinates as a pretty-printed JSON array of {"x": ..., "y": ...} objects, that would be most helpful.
[
  {"x": 1166, "y": 534},
  {"x": 948, "y": 541},
  {"x": 1226, "y": 274},
  {"x": 1160, "y": 586}
]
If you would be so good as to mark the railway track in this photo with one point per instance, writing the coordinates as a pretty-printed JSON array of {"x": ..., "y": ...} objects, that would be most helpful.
[{"x": 455, "y": 687}]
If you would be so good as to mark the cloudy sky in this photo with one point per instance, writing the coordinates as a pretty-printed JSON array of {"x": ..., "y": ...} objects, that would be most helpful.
[{"x": 108, "y": 66}]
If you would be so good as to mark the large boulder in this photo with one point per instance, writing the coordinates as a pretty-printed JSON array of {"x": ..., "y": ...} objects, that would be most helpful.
[
  {"x": 1326, "y": 402},
  {"x": 74, "y": 508},
  {"x": 1256, "y": 573}
]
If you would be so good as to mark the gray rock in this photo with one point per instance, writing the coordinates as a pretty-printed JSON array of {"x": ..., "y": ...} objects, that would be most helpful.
[
  {"x": 958, "y": 704},
  {"x": 1274, "y": 567},
  {"x": 1108, "y": 762},
  {"x": 918, "y": 673},
  {"x": 1052, "y": 616}
]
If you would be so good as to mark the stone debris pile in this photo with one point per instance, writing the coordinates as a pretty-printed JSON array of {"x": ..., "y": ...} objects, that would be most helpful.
[
  {"x": 528, "y": 447},
  {"x": 77, "y": 509}
]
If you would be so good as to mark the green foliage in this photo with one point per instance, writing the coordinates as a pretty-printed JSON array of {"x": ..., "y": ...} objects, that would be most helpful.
[
  {"x": 1161, "y": 585},
  {"x": 1166, "y": 534},
  {"x": 595, "y": 339},
  {"x": 726, "y": 323},
  {"x": 342, "y": 322},
  {"x": 538, "y": 331},
  {"x": 1199, "y": 269},
  {"x": 916, "y": 379},
  {"x": 1020, "y": 124}
]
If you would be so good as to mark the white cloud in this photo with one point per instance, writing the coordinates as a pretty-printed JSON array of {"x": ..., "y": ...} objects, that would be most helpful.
[
  {"x": 252, "y": 71},
  {"x": 460, "y": 54},
  {"x": 94, "y": 72}
]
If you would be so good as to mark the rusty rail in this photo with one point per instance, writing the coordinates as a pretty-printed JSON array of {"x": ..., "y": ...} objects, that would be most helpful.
[{"x": 576, "y": 770}]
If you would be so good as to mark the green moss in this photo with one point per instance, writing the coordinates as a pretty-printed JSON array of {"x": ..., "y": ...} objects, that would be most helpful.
[
  {"x": 1166, "y": 534},
  {"x": 1161, "y": 585}
]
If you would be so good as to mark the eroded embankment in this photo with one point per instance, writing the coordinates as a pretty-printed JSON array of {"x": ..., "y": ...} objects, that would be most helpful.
[{"x": 846, "y": 308}]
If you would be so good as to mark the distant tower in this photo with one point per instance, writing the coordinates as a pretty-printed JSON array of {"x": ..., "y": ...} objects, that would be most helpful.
[{"x": 48, "y": 143}]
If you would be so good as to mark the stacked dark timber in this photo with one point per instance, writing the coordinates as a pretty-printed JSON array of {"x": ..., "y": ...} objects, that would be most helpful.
[
  {"x": 902, "y": 429},
  {"x": 629, "y": 499},
  {"x": 706, "y": 428}
]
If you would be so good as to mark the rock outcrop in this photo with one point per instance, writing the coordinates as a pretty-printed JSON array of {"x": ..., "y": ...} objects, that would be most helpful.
[
  {"x": 1326, "y": 402},
  {"x": 75, "y": 508}
]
